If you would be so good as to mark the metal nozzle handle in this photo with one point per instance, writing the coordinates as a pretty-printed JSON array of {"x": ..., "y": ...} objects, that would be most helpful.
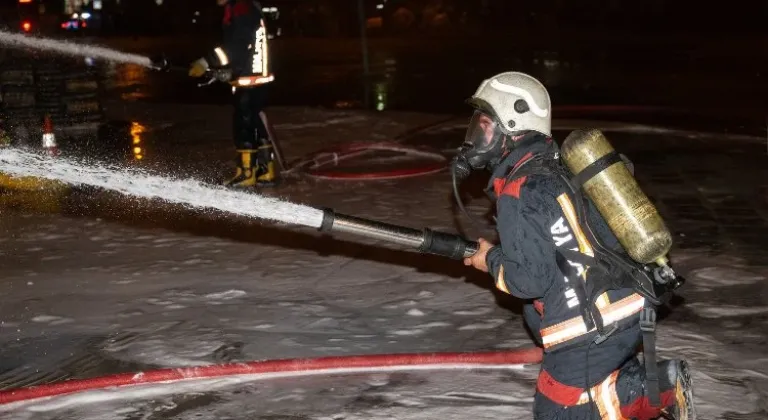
[{"x": 426, "y": 241}]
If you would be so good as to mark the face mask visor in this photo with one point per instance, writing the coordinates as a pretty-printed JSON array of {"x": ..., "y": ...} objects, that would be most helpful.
[
  {"x": 482, "y": 146},
  {"x": 482, "y": 142},
  {"x": 483, "y": 133}
]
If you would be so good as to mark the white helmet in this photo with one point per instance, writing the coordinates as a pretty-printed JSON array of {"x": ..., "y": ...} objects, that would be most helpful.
[{"x": 518, "y": 101}]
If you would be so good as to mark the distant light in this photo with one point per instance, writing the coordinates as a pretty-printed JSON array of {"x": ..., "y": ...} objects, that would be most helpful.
[
  {"x": 379, "y": 6},
  {"x": 194, "y": 20},
  {"x": 136, "y": 131},
  {"x": 159, "y": 2},
  {"x": 26, "y": 26},
  {"x": 75, "y": 16},
  {"x": 25, "y": 1},
  {"x": 85, "y": 15},
  {"x": 89, "y": 61},
  {"x": 197, "y": 13},
  {"x": 97, "y": 4}
]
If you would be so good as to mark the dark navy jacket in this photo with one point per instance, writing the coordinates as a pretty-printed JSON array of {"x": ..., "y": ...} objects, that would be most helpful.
[{"x": 535, "y": 215}]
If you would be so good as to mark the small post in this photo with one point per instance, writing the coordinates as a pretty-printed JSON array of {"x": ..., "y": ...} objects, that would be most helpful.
[{"x": 364, "y": 46}]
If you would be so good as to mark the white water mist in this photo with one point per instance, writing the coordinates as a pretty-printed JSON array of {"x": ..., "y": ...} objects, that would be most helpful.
[
  {"x": 16, "y": 40},
  {"x": 189, "y": 192}
]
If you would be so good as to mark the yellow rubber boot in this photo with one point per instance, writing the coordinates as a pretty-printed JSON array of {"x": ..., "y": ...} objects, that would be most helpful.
[
  {"x": 245, "y": 174},
  {"x": 266, "y": 176}
]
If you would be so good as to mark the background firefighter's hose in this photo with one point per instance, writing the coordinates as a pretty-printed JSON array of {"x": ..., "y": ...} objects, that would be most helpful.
[
  {"x": 315, "y": 166},
  {"x": 319, "y": 165},
  {"x": 272, "y": 369}
]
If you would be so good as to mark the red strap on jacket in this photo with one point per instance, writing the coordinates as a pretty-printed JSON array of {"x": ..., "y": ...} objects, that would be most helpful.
[{"x": 559, "y": 393}]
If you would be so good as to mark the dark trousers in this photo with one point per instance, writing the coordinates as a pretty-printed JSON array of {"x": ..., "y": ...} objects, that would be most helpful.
[
  {"x": 622, "y": 393},
  {"x": 249, "y": 131}
]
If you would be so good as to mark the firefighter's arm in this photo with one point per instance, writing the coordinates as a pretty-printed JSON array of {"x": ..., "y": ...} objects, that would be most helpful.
[
  {"x": 215, "y": 60},
  {"x": 523, "y": 264}
]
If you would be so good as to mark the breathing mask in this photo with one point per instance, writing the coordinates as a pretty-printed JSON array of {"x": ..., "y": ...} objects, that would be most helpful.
[{"x": 482, "y": 147}]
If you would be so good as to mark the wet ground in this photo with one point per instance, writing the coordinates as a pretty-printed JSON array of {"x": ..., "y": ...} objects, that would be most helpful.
[{"x": 99, "y": 284}]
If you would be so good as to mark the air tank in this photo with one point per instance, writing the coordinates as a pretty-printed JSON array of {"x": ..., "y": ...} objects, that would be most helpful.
[{"x": 615, "y": 192}]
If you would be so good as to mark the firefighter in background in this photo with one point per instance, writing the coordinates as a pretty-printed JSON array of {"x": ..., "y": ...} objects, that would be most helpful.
[
  {"x": 243, "y": 61},
  {"x": 586, "y": 374}
]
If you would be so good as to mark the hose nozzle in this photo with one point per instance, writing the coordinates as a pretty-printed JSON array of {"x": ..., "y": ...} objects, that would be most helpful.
[
  {"x": 426, "y": 240},
  {"x": 160, "y": 63}
]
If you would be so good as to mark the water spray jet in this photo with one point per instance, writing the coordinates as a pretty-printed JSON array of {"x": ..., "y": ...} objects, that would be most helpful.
[
  {"x": 23, "y": 41},
  {"x": 194, "y": 194}
]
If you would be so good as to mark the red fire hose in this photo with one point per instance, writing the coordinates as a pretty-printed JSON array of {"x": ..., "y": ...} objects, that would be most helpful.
[
  {"x": 320, "y": 164},
  {"x": 273, "y": 369},
  {"x": 316, "y": 165}
]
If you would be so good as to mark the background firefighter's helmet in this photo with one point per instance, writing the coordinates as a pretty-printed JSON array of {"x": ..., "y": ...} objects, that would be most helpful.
[{"x": 518, "y": 101}]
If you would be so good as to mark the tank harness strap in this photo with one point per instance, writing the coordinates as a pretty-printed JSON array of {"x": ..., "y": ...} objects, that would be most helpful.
[
  {"x": 587, "y": 311},
  {"x": 648, "y": 328},
  {"x": 580, "y": 258},
  {"x": 594, "y": 168},
  {"x": 600, "y": 281}
]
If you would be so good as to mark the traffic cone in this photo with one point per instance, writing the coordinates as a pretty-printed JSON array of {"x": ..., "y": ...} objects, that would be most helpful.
[{"x": 50, "y": 146}]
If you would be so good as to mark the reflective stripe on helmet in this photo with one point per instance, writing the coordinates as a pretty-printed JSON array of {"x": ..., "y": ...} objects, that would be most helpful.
[{"x": 535, "y": 108}]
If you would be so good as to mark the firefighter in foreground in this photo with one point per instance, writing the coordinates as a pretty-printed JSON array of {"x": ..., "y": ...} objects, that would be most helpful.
[
  {"x": 590, "y": 316},
  {"x": 243, "y": 61}
]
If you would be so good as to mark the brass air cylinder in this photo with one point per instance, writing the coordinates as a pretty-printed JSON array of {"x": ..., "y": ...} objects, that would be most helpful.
[{"x": 615, "y": 192}]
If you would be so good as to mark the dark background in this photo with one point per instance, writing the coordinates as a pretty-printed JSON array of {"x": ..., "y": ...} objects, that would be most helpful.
[{"x": 707, "y": 60}]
